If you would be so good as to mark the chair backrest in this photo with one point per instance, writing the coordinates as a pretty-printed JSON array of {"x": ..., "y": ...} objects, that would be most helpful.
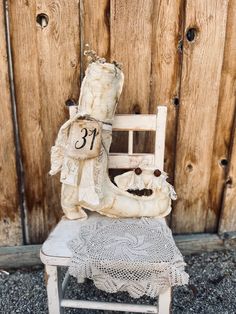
[{"x": 142, "y": 122}]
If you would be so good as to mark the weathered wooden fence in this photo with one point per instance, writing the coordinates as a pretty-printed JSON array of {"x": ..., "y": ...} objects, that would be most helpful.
[{"x": 179, "y": 53}]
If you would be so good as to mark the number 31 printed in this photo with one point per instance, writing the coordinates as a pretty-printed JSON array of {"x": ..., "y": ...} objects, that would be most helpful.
[{"x": 85, "y": 132}]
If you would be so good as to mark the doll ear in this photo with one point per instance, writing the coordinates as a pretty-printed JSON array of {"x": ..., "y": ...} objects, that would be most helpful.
[{"x": 131, "y": 180}]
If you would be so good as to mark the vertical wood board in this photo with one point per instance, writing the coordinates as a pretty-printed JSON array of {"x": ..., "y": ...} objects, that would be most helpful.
[
  {"x": 228, "y": 216},
  {"x": 224, "y": 125},
  {"x": 95, "y": 27},
  {"x": 10, "y": 222},
  {"x": 201, "y": 73},
  {"x": 46, "y": 75},
  {"x": 167, "y": 21},
  {"x": 131, "y": 45},
  {"x": 131, "y": 42}
]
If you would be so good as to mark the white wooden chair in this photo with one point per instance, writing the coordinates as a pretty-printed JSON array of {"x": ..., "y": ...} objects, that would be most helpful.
[{"x": 55, "y": 253}]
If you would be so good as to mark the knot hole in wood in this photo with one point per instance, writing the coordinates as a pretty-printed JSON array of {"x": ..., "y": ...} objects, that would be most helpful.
[
  {"x": 42, "y": 19},
  {"x": 191, "y": 34},
  {"x": 136, "y": 109},
  {"x": 224, "y": 162},
  {"x": 189, "y": 168},
  {"x": 176, "y": 101},
  {"x": 229, "y": 182}
]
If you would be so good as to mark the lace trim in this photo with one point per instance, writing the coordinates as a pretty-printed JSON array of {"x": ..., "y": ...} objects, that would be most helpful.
[{"x": 134, "y": 255}]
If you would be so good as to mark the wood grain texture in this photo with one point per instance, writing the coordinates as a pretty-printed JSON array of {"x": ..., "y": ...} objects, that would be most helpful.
[
  {"x": 228, "y": 215},
  {"x": 202, "y": 242},
  {"x": 96, "y": 27},
  {"x": 166, "y": 65},
  {"x": 201, "y": 73},
  {"x": 46, "y": 74},
  {"x": 19, "y": 256},
  {"x": 131, "y": 45},
  {"x": 148, "y": 49},
  {"x": 131, "y": 41},
  {"x": 10, "y": 223},
  {"x": 224, "y": 125}
]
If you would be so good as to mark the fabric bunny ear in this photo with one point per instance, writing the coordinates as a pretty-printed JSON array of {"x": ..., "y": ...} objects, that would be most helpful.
[{"x": 129, "y": 181}]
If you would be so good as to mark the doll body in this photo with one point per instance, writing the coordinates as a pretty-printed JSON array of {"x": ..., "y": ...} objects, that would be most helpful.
[{"x": 82, "y": 177}]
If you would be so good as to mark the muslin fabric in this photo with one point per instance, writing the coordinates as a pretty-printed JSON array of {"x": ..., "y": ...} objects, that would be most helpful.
[{"x": 80, "y": 178}]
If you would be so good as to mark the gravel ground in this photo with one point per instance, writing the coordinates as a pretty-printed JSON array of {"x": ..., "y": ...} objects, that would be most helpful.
[{"x": 212, "y": 289}]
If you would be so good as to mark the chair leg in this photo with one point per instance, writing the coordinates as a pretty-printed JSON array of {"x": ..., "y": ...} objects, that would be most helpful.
[
  {"x": 164, "y": 302},
  {"x": 54, "y": 289}
]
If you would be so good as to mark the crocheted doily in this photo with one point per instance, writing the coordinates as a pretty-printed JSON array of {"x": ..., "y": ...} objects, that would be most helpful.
[{"x": 134, "y": 255}]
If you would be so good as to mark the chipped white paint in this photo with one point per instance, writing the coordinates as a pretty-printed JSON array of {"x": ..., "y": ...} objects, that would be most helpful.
[
  {"x": 127, "y": 122},
  {"x": 164, "y": 302},
  {"x": 54, "y": 290},
  {"x": 160, "y": 136},
  {"x": 110, "y": 306},
  {"x": 131, "y": 142}
]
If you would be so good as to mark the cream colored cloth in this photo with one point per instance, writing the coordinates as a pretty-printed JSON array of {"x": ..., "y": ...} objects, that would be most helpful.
[
  {"x": 117, "y": 202},
  {"x": 80, "y": 179}
]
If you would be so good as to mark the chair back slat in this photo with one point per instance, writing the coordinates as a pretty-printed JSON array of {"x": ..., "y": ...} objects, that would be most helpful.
[
  {"x": 142, "y": 122},
  {"x": 134, "y": 122},
  {"x": 126, "y": 161}
]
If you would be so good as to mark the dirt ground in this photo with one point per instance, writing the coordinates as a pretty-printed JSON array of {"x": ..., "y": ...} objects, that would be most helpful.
[{"x": 212, "y": 289}]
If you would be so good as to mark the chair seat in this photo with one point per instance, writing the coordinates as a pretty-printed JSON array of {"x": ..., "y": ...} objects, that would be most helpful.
[
  {"x": 55, "y": 250},
  {"x": 137, "y": 255}
]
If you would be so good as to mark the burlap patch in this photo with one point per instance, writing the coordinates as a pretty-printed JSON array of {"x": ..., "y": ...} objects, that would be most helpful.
[{"x": 84, "y": 140}]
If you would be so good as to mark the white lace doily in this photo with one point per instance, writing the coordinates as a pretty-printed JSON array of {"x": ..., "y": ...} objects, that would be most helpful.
[{"x": 134, "y": 255}]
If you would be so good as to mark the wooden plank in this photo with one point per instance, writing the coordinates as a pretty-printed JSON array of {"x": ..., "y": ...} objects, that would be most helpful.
[
  {"x": 131, "y": 142},
  {"x": 54, "y": 289},
  {"x": 228, "y": 215},
  {"x": 201, "y": 73},
  {"x": 28, "y": 255},
  {"x": 135, "y": 123},
  {"x": 131, "y": 44},
  {"x": 46, "y": 63},
  {"x": 126, "y": 161},
  {"x": 19, "y": 256},
  {"x": 132, "y": 19},
  {"x": 166, "y": 66},
  {"x": 224, "y": 125},
  {"x": 160, "y": 137},
  {"x": 164, "y": 301},
  {"x": 202, "y": 242},
  {"x": 110, "y": 306},
  {"x": 95, "y": 30},
  {"x": 10, "y": 222}
]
